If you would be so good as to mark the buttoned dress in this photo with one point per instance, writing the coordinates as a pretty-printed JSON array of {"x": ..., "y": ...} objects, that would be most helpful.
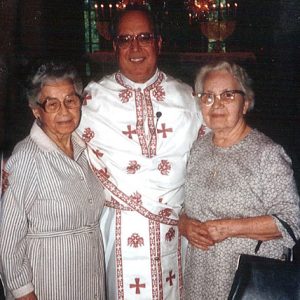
[
  {"x": 50, "y": 238},
  {"x": 251, "y": 178},
  {"x": 139, "y": 138}
]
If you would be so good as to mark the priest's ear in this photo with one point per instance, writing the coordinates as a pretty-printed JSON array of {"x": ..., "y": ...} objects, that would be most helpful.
[{"x": 158, "y": 44}]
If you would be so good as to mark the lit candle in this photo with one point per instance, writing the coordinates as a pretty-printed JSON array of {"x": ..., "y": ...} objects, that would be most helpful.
[
  {"x": 190, "y": 18},
  {"x": 221, "y": 9},
  {"x": 96, "y": 11},
  {"x": 102, "y": 10},
  {"x": 228, "y": 7},
  {"x": 235, "y": 7},
  {"x": 215, "y": 10},
  {"x": 110, "y": 6}
]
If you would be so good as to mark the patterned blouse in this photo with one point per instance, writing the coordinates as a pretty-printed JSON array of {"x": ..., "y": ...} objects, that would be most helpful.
[
  {"x": 251, "y": 178},
  {"x": 50, "y": 237}
]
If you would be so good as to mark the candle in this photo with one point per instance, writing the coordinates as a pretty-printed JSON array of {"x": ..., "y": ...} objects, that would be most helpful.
[
  {"x": 228, "y": 7},
  {"x": 110, "y": 6},
  {"x": 235, "y": 7},
  {"x": 221, "y": 9},
  {"x": 102, "y": 10},
  {"x": 96, "y": 11},
  {"x": 190, "y": 18}
]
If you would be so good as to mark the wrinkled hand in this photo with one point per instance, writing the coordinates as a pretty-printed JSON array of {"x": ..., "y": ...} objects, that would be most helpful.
[
  {"x": 30, "y": 296},
  {"x": 196, "y": 232},
  {"x": 218, "y": 230}
]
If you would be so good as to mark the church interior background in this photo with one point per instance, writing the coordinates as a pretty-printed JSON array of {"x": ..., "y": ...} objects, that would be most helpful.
[{"x": 261, "y": 35}]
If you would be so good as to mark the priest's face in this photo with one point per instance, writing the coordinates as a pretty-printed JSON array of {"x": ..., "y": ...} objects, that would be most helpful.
[{"x": 136, "y": 47}]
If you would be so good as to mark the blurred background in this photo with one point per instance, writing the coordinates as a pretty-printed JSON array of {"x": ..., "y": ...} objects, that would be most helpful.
[{"x": 261, "y": 35}]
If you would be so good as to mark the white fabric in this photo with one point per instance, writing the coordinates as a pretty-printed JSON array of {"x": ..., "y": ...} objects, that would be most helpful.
[{"x": 140, "y": 136}]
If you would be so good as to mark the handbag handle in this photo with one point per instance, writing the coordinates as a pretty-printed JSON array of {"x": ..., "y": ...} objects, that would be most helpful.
[{"x": 286, "y": 226}]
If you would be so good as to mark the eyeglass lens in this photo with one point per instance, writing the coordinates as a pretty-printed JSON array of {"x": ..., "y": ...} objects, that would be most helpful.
[
  {"x": 54, "y": 105},
  {"x": 226, "y": 96},
  {"x": 143, "y": 39}
]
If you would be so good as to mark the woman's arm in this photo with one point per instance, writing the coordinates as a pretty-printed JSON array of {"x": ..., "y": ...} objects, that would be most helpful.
[
  {"x": 16, "y": 203},
  {"x": 261, "y": 228},
  {"x": 280, "y": 195},
  {"x": 196, "y": 232}
]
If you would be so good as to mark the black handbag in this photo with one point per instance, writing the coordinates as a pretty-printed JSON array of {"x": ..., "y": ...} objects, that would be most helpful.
[{"x": 262, "y": 278}]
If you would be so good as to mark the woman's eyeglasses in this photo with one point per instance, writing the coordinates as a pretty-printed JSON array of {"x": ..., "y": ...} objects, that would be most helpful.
[
  {"x": 144, "y": 39},
  {"x": 226, "y": 97},
  {"x": 53, "y": 105}
]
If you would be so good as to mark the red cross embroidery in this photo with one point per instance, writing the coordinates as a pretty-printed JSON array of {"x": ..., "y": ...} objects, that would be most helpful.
[
  {"x": 133, "y": 167},
  {"x": 86, "y": 98},
  {"x": 129, "y": 132},
  {"x": 170, "y": 278},
  {"x": 98, "y": 153},
  {"x": 88, "y": 134},
  {"x": 164, "y": 130},
  {"x": 137, "y": 285},
  {"x": 104, "y": 172}
]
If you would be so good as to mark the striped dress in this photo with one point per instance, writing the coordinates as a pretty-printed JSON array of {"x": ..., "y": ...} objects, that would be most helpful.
[{"x": 50, "y": 238}]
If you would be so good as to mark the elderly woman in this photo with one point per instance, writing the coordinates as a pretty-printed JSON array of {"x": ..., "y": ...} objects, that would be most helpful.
[
  {"x": 237, "y": 179},
  {"x": 51, "y": 245}
]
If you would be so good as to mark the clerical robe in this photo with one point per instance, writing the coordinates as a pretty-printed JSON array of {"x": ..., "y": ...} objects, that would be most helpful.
[{"x": 139, "y": 138}]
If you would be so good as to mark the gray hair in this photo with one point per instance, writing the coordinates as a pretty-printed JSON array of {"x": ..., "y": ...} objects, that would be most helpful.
[
  {"x": 235, "y": 70},
  {"x": 52, "y": 72}
]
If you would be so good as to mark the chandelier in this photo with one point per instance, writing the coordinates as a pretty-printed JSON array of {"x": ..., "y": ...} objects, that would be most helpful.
[
  {"x": 105, "y": 10},
  {"x": 204, "y": 10},
  {"x": 217, "y": 20}
]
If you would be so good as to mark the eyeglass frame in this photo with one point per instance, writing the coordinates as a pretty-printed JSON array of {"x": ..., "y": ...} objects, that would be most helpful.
[
  {"x": 133, "y": 37},
  {"x": 43, "y": 104},
  {"x": 234, "y": 92}
]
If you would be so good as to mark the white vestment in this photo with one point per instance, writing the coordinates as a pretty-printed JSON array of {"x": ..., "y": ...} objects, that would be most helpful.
[{"x": 140, "y": 136}]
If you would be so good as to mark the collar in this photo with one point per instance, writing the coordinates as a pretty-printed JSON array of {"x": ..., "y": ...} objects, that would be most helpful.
[
  {"x": 135, "y": 85},
  {"x": 47, "y": 145}
]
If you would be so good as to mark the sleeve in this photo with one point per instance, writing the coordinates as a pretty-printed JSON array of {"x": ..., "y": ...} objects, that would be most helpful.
[
  {"x": 16, "y": 203},
  {"x": 279, "y": 191}
]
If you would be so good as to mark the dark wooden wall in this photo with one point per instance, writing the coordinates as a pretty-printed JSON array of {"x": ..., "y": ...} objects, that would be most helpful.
[{"x": 32, "y": 31}]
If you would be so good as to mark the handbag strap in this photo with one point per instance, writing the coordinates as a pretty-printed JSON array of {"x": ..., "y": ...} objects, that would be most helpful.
[{"x": 286, "y": 226}]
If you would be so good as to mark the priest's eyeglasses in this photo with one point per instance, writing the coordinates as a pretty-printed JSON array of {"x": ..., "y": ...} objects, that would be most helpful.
[
  {"x": 226, "y": 97},
  {"x": 144, "y": 39},
  {"x": 53, "y": 105}
]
